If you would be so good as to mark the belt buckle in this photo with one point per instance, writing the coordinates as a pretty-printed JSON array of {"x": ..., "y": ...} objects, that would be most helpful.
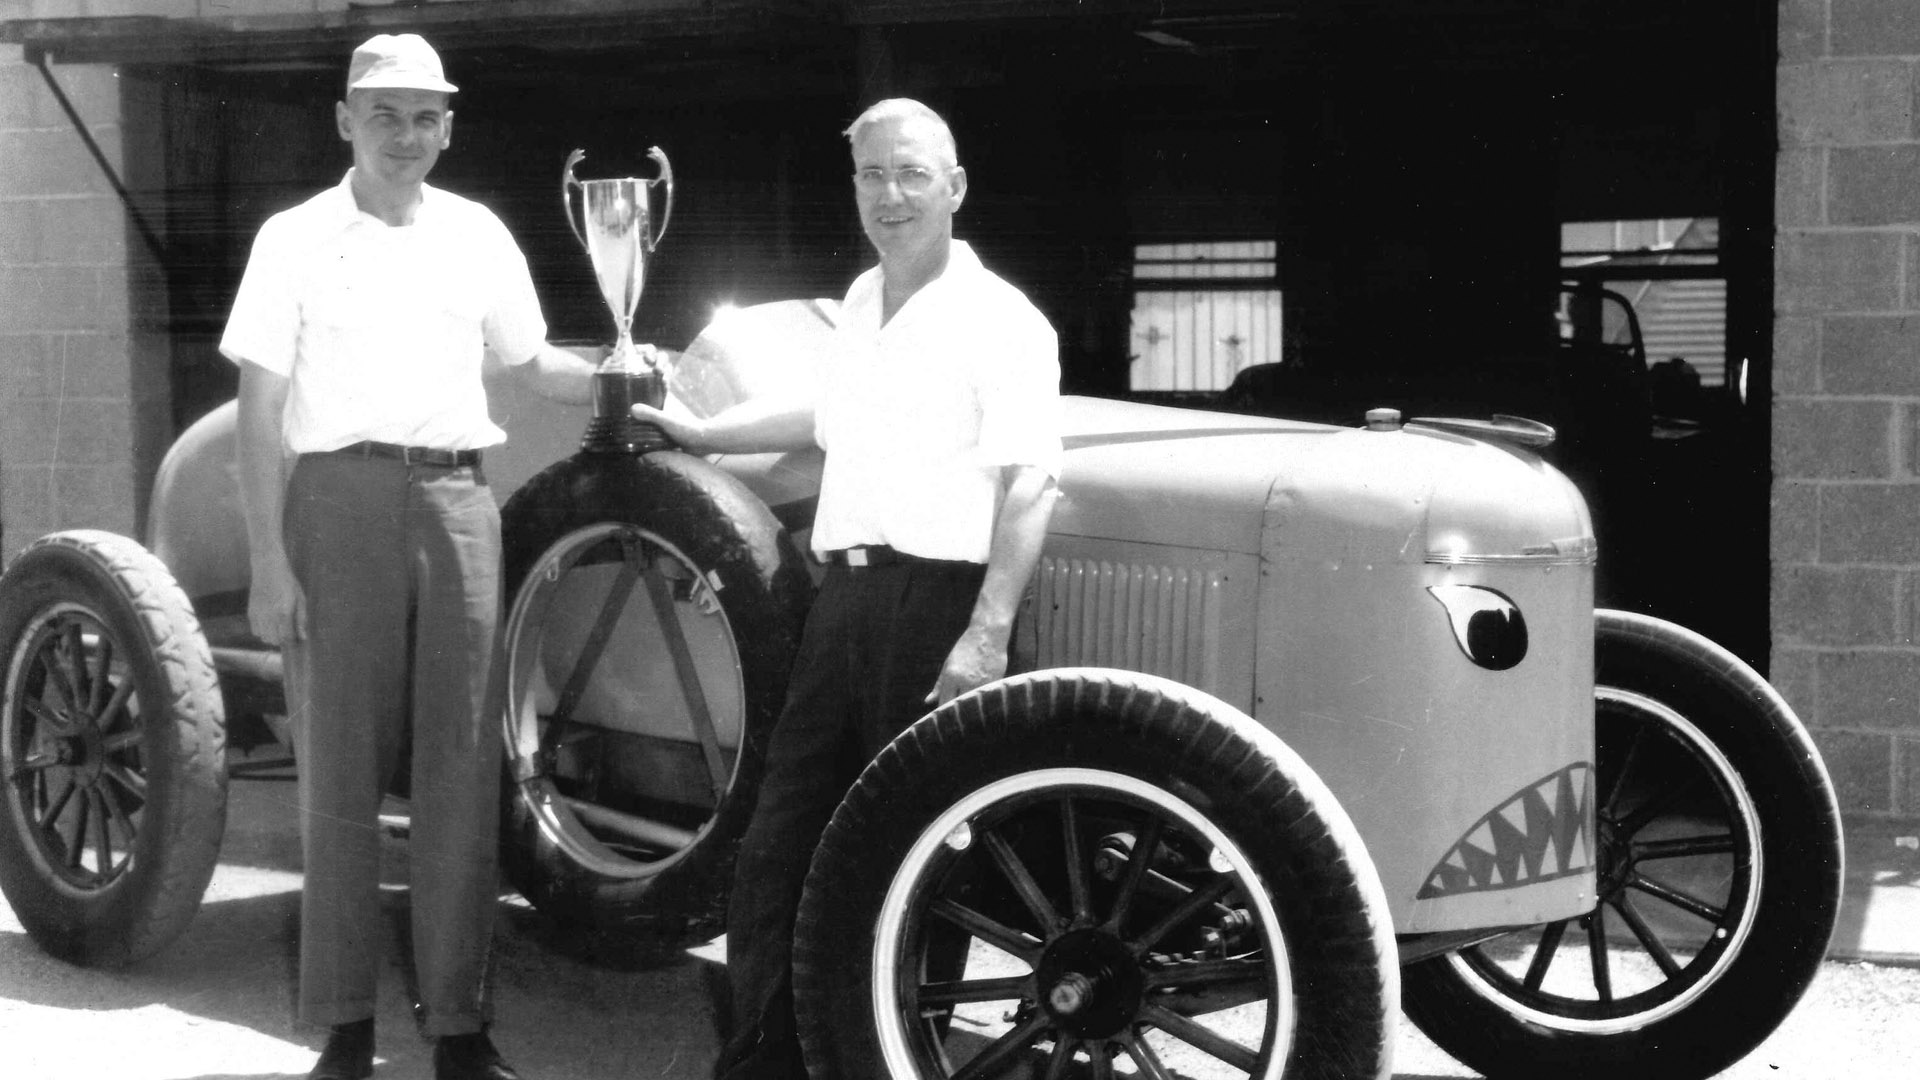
[{"x": 856, "y": 556}]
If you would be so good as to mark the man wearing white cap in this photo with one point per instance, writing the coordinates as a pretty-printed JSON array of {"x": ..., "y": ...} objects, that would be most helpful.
[{"x": 360, "y": 329}]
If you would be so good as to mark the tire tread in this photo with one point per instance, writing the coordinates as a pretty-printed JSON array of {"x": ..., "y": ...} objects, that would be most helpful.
[
  {"x": 1078, "y": 716},
  {"x": 185, "y": 815},
  {"x": 724, "y": 528}
]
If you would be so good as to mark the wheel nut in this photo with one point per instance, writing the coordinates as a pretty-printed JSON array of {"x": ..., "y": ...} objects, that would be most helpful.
[{"x": 1070, "y": 994}]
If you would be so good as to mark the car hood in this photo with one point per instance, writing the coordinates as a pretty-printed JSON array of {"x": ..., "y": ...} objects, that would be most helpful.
[
  {"x": 1179, "y": 477},
  {"x": 1275, "y": 488}
]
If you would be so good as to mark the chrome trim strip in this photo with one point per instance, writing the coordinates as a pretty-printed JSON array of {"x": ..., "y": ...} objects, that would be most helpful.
[
  {"x": 1555, "y": 558},
  {"x": 1577, "y": 551}
]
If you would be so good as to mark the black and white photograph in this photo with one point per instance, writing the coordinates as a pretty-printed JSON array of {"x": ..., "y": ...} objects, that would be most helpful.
[{"x": 959, "y": 539}]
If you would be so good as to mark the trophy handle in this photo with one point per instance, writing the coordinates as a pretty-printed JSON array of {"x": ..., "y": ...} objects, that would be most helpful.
[
  {"x": 567, "y": 184},
  {"x": 666, "y": 210}
]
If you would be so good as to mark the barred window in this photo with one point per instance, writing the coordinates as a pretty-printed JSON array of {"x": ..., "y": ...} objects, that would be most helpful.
[{"x": 1202, "y": 312}]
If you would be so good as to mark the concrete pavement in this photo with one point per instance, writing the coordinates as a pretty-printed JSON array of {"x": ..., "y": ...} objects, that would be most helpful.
[
  {"x": 1880, "y": 905},
  {"x": 218, "y": 1004}
]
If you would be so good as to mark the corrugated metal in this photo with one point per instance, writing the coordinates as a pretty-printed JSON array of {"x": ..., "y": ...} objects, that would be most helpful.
[
  {"x": 1162, "y": 620},
  {"x": 1687, "y": 319},
  {"x": 1680, "y": 316}
]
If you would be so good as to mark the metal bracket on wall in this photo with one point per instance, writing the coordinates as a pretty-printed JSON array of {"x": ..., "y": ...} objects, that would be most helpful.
[{"x": 154, "y": 243}]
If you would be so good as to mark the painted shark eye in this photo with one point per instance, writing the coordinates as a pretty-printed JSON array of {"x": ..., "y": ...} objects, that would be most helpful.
[{"x": 1487, "y": 625}]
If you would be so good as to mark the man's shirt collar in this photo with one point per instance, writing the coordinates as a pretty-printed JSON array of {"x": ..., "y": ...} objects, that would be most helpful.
[
  {"x": 344, "y": 210},
  {"x": 962, "y": 266}
]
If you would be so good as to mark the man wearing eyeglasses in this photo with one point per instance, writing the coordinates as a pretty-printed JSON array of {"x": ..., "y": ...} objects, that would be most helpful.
[{"x": 939, "y": 415}]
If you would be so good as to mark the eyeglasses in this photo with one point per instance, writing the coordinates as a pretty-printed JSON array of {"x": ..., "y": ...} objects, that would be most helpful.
[{"x": 912, "y": 179}]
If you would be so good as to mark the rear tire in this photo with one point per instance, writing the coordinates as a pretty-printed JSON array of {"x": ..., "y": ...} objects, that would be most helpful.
[
  {"x": 1720, "y": 871},
  {"x": 113, "y": 781},
  {"x": 656, "y": 606},
  {"x": 974, "y": 904}
]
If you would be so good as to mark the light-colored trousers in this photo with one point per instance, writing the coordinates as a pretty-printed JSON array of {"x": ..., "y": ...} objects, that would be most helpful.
[{"x": 399, "y": 566}]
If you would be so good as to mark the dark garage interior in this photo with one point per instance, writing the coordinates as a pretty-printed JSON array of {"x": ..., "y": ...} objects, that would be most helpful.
[{"x": 1391, "y": 178}]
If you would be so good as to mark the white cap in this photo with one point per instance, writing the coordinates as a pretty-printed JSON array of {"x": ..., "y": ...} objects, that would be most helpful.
[{"x": 403, "y": 61}]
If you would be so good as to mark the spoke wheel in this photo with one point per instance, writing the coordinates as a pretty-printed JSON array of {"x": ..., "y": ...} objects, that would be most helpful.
[
  {"x": 111, "y": 747},
  {"x": 655, "y": 607},
  {"x": 76, "y": 772},
  {"x": 1089, "y": 874},
  {"x": 1679, "y": 871},
  {"x": 1098, "y": 974},
  {"x": 1718, "y": 883}
]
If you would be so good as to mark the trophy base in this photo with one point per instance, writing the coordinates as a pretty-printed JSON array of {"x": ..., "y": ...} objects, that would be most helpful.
[
  {"x": 613, "y": 430},
  {"x": 627, "y": 436}
]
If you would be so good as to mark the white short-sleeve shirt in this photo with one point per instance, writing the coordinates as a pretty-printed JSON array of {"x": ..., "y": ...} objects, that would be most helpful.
[
  {"x": 917, "y": 417},
  {"x": 381, "y": 329}
]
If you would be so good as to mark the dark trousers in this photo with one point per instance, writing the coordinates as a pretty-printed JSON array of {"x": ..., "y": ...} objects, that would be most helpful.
[
  {"x": 399, "y": 566},
  {"x": 873, "y": 647}
]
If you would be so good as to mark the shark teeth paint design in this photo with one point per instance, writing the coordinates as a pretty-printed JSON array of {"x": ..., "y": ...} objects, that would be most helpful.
[{"x": 1541, "y": 833}]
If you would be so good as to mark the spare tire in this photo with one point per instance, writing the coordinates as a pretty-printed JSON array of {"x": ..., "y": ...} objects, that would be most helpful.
[
  {"x": 113, "y": 781},
  {"x": 655, "y": 608},
  {"x": 1071, "y": 868}
]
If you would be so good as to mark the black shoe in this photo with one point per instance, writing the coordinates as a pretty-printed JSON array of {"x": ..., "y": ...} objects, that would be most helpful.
[
  {"x": 348, "y": 1054},
  {"x": 469, "y": 1057}
]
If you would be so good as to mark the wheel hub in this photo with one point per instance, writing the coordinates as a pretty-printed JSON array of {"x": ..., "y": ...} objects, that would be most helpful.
[
  {"x": 1090, "y": 984},
  {"x": 83, "y": 751}
]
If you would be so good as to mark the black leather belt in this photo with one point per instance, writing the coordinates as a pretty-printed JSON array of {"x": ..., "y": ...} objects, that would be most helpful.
[
  {"x": 868, "y": 555},
  {"x": 414, "y": 455},
  {"x": 872, "y": 555}
]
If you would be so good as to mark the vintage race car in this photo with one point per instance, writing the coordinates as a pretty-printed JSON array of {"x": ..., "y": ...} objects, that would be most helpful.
[{"x": 1313, "y": 723}]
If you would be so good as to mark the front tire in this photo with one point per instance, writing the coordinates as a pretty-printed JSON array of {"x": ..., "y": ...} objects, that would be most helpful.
[
  {"x": 113, "y": 781},
  {"x": 1075, "y": 868},
  {"x": 656, "y": 607},
  {"x": 1719, "y": 878}
]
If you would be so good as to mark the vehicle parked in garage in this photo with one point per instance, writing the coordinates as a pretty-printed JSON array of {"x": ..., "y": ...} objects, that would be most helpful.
[
  {"x": 1316, "y": 722},
  {"x": 1653, "y": 453}
]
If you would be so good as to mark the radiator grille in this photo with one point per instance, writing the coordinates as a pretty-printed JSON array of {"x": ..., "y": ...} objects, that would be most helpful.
[{"x": 1162, "y": 620}]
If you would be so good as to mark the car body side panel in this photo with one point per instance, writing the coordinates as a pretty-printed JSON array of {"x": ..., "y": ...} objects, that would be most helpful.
[
  {"x": 1471, "y": 786},
  {"x": 194, "y": 524}
]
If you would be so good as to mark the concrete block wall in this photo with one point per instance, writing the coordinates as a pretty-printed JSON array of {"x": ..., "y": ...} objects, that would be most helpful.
[
  {"x": 72, "y": 407},
  {"x": 84, "y": 401},
  {"x": 1846, "y": 425}
]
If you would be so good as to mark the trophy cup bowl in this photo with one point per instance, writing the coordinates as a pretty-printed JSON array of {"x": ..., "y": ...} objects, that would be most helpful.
[{"x": 614, "y": 226}]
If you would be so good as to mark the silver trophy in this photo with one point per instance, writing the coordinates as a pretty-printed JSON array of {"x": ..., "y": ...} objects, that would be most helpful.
[{"x": 614, "y": 226}]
